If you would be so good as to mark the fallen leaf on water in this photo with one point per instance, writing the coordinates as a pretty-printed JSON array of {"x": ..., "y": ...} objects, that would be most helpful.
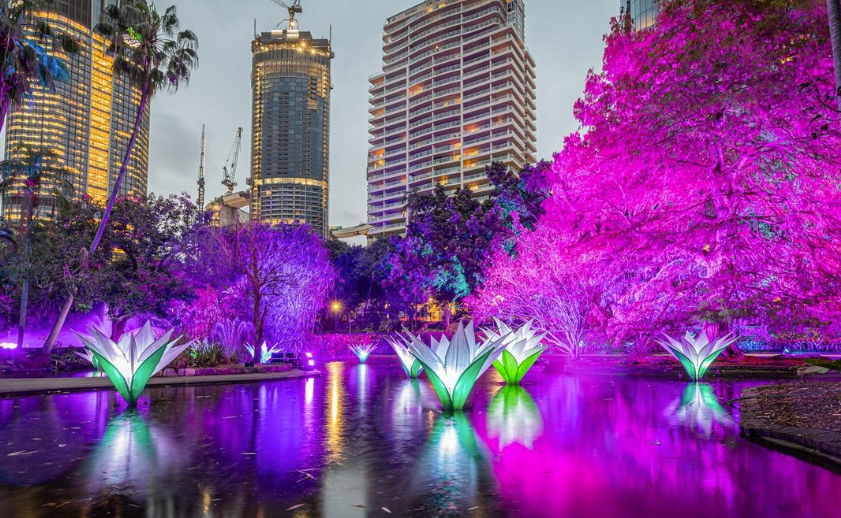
[
  {"x": 386, "y": 509},
  {"x": 296, "y": 506}
]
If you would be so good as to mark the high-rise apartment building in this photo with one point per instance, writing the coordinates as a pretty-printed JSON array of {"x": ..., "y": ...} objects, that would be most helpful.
[
  {"x": 457, "y": 92},
  {"x": 642, "y": 12},
  {"x": 290, "y": 155},
  {"x": 86, "y": 121}
]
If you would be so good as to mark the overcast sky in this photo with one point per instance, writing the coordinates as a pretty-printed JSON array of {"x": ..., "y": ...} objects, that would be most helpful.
[{"x": 564, "y": 36}]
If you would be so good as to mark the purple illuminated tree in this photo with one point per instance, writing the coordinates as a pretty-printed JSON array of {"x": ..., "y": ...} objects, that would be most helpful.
[
  {"x": 451, "y": 235},
  {"x": 278, "y": 277}
]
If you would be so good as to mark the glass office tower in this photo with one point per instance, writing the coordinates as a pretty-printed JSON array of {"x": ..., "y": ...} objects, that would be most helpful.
[
  {"x": 290, "y": 158},
  {"x": 86, "y": 121}
]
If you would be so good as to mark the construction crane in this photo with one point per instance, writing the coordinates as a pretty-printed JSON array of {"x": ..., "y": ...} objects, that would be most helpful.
[
  {"x": 292, "y": 10},
  {"x": 229, "y": 171},
  {"x": 201, "y": 170}
]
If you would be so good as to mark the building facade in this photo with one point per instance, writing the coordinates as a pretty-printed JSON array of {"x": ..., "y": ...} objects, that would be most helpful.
[
  {"x": 456, "y": 92},
  {"x": 290, "y": 147},
  {"x": 86, "y": 121},
  {"x": 642, "y": 12}
]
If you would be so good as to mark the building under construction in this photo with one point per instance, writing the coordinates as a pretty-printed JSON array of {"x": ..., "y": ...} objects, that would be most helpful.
[{"x": 290, "y": 126}]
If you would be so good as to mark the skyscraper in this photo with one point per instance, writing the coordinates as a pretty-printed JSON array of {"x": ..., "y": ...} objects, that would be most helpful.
[
  {"x": 456, "y": 92},
  {"x": 86, "y": 121},
  {"x": 642, "y": 12},
  {"x": 290, "y": 155}
]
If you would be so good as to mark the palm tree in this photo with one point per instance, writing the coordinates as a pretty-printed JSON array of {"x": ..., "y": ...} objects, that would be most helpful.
[
  {"x": 25, "y": 44},
  {"x": 155, "y": 54},
  {"x": 23, "y": 181}
]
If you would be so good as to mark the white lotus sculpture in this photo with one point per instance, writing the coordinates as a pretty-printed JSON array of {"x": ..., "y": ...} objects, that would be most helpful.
[
  {"x": 411, "y": 365},
  {"x": 523, "y": 348},
  {"x": 454, "y": 366},
  {"x": 362, "y": 351},
  {"x": 697, "y": 354},
  {"x": 134, "y": 358},
  {"x": 265, "y": 352}
]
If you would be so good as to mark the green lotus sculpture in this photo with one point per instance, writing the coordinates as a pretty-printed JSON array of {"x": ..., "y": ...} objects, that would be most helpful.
[
  {"x": 363, "y": 351},
  {"x": 697, "y": 354},
  {"x": 523, "y": 348},
  {"x": 411, "y": 366},
  {"x": 454, "y": 366},
  {"x": 133, "y": 359}
]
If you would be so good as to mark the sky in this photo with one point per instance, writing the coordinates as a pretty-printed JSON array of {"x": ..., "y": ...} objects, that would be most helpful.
[{"x": 564, "y": 36}]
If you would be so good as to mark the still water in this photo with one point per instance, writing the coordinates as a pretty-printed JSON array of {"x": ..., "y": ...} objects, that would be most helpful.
[{"x": 363, "y": 441}]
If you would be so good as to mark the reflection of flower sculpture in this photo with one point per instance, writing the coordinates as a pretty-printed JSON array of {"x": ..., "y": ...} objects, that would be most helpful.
[
  {"x": 454, "y": 366},
  {"x": 265, "y": 352},
  {"x": 135, "y": 452},
  {"x": 513, "y": 417},
  {"x": 133, "y": 359},
  {"x": 697, "y": 354},
  {"x": 523, "y": 349},
  {"x": 411, "y": 366},
  {"x": 362, "y": 351},
  {"x": 698, "y": 408}
]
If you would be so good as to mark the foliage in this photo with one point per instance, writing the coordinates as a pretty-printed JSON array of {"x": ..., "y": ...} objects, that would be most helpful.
[
  {"x": 451, "y": 235},
  {"x": 277, "y": 277},
  {"x": 31, "y": 51},
  {"x": 701, "y": 190}
]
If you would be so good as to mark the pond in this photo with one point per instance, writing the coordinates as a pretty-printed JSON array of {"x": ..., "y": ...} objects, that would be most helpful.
[{"x": 364, "y": 441}]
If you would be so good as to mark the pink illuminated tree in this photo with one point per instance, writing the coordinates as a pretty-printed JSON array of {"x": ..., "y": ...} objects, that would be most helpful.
[{"x": 703, "y": 187}]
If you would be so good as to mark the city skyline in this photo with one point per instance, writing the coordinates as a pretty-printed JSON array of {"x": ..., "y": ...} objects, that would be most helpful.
[{"x": 565, "y": 40}]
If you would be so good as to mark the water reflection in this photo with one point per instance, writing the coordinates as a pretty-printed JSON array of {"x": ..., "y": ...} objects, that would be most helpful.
[
  {"x": 361, "y": 439},
  {"x": 513, "y": 417},
  {"x": 134, "y": 451},
  {"x": 699, "y": 409},
  {"x": 454, "y": 473}
]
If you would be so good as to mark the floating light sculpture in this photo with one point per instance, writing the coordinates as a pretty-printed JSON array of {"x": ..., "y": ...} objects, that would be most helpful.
[
  {"x": 454, "y": 366},
  {"x": 265, "y": 352},
  {"x": 523, "y": 348},
  {"x": 411, "y": 366},
  {"x": 362, "y": 351},
  {"x": 133, "y": 359},
  {"x": 697, "y": 354},
  {"x": 86, "y": 354}
]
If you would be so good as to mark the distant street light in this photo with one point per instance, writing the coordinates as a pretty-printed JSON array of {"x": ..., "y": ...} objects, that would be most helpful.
[{"x": 336, "y": 307}]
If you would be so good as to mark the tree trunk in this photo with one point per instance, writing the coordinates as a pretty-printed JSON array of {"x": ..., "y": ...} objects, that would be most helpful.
[
  {"x": 144, "y": 98},
  {"x": 4, "y": 110},
  {"x": 25, "y": 223},
  {"x": 115, "y": 192},
  {"x": 258, "y": 301},
  {"x": 834, "y": 10},
  {"x": 448, "y": 313}
]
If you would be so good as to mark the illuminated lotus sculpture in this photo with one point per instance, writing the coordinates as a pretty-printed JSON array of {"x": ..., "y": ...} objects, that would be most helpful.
[
  {"x": 454, "y": 366},
  {"x": 523, "y": 348},
  {"x": 411, "y": 365},
  {"x": 265, "y": 352},
  {"x": 362, "y": 351},
  {"x": 697, "y": 354},
  {"x": 133, "y": 359},
  {"x": 86, "y": 354}
]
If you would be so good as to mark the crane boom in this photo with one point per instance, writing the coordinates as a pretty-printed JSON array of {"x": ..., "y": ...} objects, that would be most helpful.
[
  {"x": 293, "y": 9},
  {"x": 229, "y": 171},
  {"x": 201, "y": 170}
]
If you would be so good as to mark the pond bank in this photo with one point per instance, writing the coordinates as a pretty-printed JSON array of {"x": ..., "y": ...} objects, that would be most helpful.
[
  {"x": 748, "y": 367},
  {"x": 801, "y": 418},
  {"x": 46, "y": 385}
]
